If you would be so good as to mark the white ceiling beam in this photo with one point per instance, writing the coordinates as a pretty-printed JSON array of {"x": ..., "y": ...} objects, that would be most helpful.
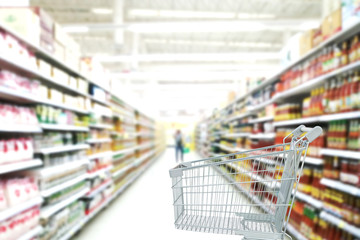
[
  {"x": 199, "y": 26},
  {"x": 118, "y": 19},
  {"x": 192, "y": 57}
]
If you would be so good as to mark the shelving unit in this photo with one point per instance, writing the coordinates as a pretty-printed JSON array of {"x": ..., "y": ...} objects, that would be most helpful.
[
  {"x": 246, "y": 113},
  {"x": 124, "y": 111}
]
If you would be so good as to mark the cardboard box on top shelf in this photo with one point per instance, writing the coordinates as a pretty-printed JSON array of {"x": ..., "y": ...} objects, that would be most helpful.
[
  {"x": 325, "y": 28},
  {"x": 23, "y": 21},
  {"x": 317, "y": 38},
  {"x": 335, "y": 21},
  {"x": 306, "y": 41},
  {"x": 44, "y": 67},
  {"x": 46, "y": 30},
  {"x": 350, "y": 13},
  {"x": 72, "y": 59}
]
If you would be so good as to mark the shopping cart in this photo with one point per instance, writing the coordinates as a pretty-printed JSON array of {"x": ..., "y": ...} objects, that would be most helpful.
[{"x": 245, "y": 193}]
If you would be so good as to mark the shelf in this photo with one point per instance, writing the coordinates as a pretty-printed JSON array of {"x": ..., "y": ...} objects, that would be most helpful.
[
  {"x": 293, "y": 231},
  {"x": 73, "y": 230},
  {"x": 101, "y": 126},
  {"x": 14, "y": 210},
  {"x": 263, "y": 136},
  {"x": 343, "y": 187},
  {"x": 323, "y": 118},
  {"x": 309, "y": 199},
  {"x": 340, "y": 153},
  {"x": 49, "y": 210},
  {"x": 257, "y": 107},
  {"x": 122, "y": 170},
  {"x": 226, "y": 148},
  {"x": 63, "y": 127},
  {"x": 100, "y": 155},
  {"x": 32, "y": 233},
  {"x": 143, "y": 146},
  {"x": 342, "y": 35},
  {"x": 59, "y": 149},
  {"x": 340, "y": 223},
  {"x": 272, "y": 183},
  {"x": 98, "y": 140},
  {"x": 99, "y": 172},
  {"x": 235, "y": 135},
  {"x": 262, "y": 119},
  {"x": 144, "y": 157},
  {"x": 22, "y": 165},
  {"x": 54, "y": 170},
  {"x": 62, "y": 186},
  {"x": 103, "y": 102},
  {"x": 314, "y": 161},
  {"x": 102, "y": 187},
  {"x": 21, "y": 128},
  {"x": 240, "y": 116},
  {"x": 124, "y": 151}
]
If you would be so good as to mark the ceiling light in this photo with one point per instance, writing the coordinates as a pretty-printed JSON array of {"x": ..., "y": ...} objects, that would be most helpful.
[
  {"x": 192, "y": 57},
  {"x": 102, "y": 11},
  {"x": 76, "y": 29},
  {"x": 196, "y": 14},
  {"x": 243, "y": 26}
]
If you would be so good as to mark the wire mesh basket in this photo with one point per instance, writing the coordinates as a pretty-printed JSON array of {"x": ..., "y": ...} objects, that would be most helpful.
[{"x": 245, "y": 193}]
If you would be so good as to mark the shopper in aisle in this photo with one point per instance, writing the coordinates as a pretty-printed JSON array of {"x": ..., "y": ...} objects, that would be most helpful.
[{"x": 179, "y": 146}]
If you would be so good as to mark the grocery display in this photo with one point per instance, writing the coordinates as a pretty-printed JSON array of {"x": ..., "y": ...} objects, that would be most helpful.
[
  {"x": 320, "y": 88},
  {"x": 62, "y": 134}
]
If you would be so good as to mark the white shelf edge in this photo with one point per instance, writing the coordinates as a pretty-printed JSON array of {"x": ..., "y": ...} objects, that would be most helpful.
[
  {"x": 263, "y": 135},
  {"x": 99, "y": 189},
  {"x": 309, "y": 199},
  {"x": 101, "y": 126},
  {"x": 14, "y": 210},
  {"x": 98, "y": 140},
  {"x": 262, "y": 119},
  {"x": 100, "y": 155},
  {"x": 49, "y": 210},
  {"x": 48, "y": 171},
  {"x": 340, "y": 153},
  {"x": 343, "y": 187},
  {"x": 62, "y": 186},
  {"x": 63, "y": 127},
  {"x": 21, "y": 165},
  {"x": 293, "y": 231},
  {"x": 124, "y": 151},
  {"x": 98, "y": 172},
  {"x": 121, "y": 171},
  {"x": 340, "y": 223},
  {"x": 31, "y": 233},
  {"x": 59, "y": 149},
  {"x": 21, "y": 128},
  {"x": 314, "y": 161}
]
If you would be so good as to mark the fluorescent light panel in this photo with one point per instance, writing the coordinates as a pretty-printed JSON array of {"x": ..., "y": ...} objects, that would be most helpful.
[
  {"x": 192, "y": 57},
  {"x": 149, "y": 13},
  {"x": 102, "y": 11}
]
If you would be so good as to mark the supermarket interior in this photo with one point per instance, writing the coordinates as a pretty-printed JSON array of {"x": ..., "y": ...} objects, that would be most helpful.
[{"x": 174, "y": 119}]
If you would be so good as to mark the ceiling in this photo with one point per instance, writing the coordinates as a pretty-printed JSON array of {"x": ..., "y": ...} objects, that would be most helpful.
[{"x": 236, "y": 39}]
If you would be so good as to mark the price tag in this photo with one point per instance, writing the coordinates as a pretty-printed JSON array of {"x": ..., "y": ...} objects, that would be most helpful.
[{"x": 341, "y": 224}]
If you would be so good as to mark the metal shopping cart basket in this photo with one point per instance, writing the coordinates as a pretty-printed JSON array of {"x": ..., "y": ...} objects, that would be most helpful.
[{"x": 245, "y": 193}]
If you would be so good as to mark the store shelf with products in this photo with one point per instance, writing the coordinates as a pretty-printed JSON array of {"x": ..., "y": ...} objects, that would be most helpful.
[
  {"x": 14, "y": 210},
  {"x": 21, "y": 165},
  {"x": 62, "y": 149},
  {"x": 54, "y": 83},
  {"x": 340, "y": 223},
  {"x": 32, "y": 233}
]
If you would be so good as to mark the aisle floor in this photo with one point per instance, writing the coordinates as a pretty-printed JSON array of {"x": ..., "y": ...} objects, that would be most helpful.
[{"x": 144, "y": 210}]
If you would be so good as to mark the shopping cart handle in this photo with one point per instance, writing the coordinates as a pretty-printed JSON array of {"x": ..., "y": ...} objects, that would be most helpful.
[{"x": 312, "y": 133}]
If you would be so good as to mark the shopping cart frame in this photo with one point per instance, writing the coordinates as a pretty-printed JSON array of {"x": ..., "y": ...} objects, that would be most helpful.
[{"x": 200, "y": 204}]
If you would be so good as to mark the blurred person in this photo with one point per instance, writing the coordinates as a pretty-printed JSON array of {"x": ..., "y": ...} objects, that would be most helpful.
[{"x": 179, "y": 146}]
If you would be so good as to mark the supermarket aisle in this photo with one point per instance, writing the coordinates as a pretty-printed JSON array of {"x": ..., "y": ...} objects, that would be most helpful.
[{"x": 145, "y": 210}]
